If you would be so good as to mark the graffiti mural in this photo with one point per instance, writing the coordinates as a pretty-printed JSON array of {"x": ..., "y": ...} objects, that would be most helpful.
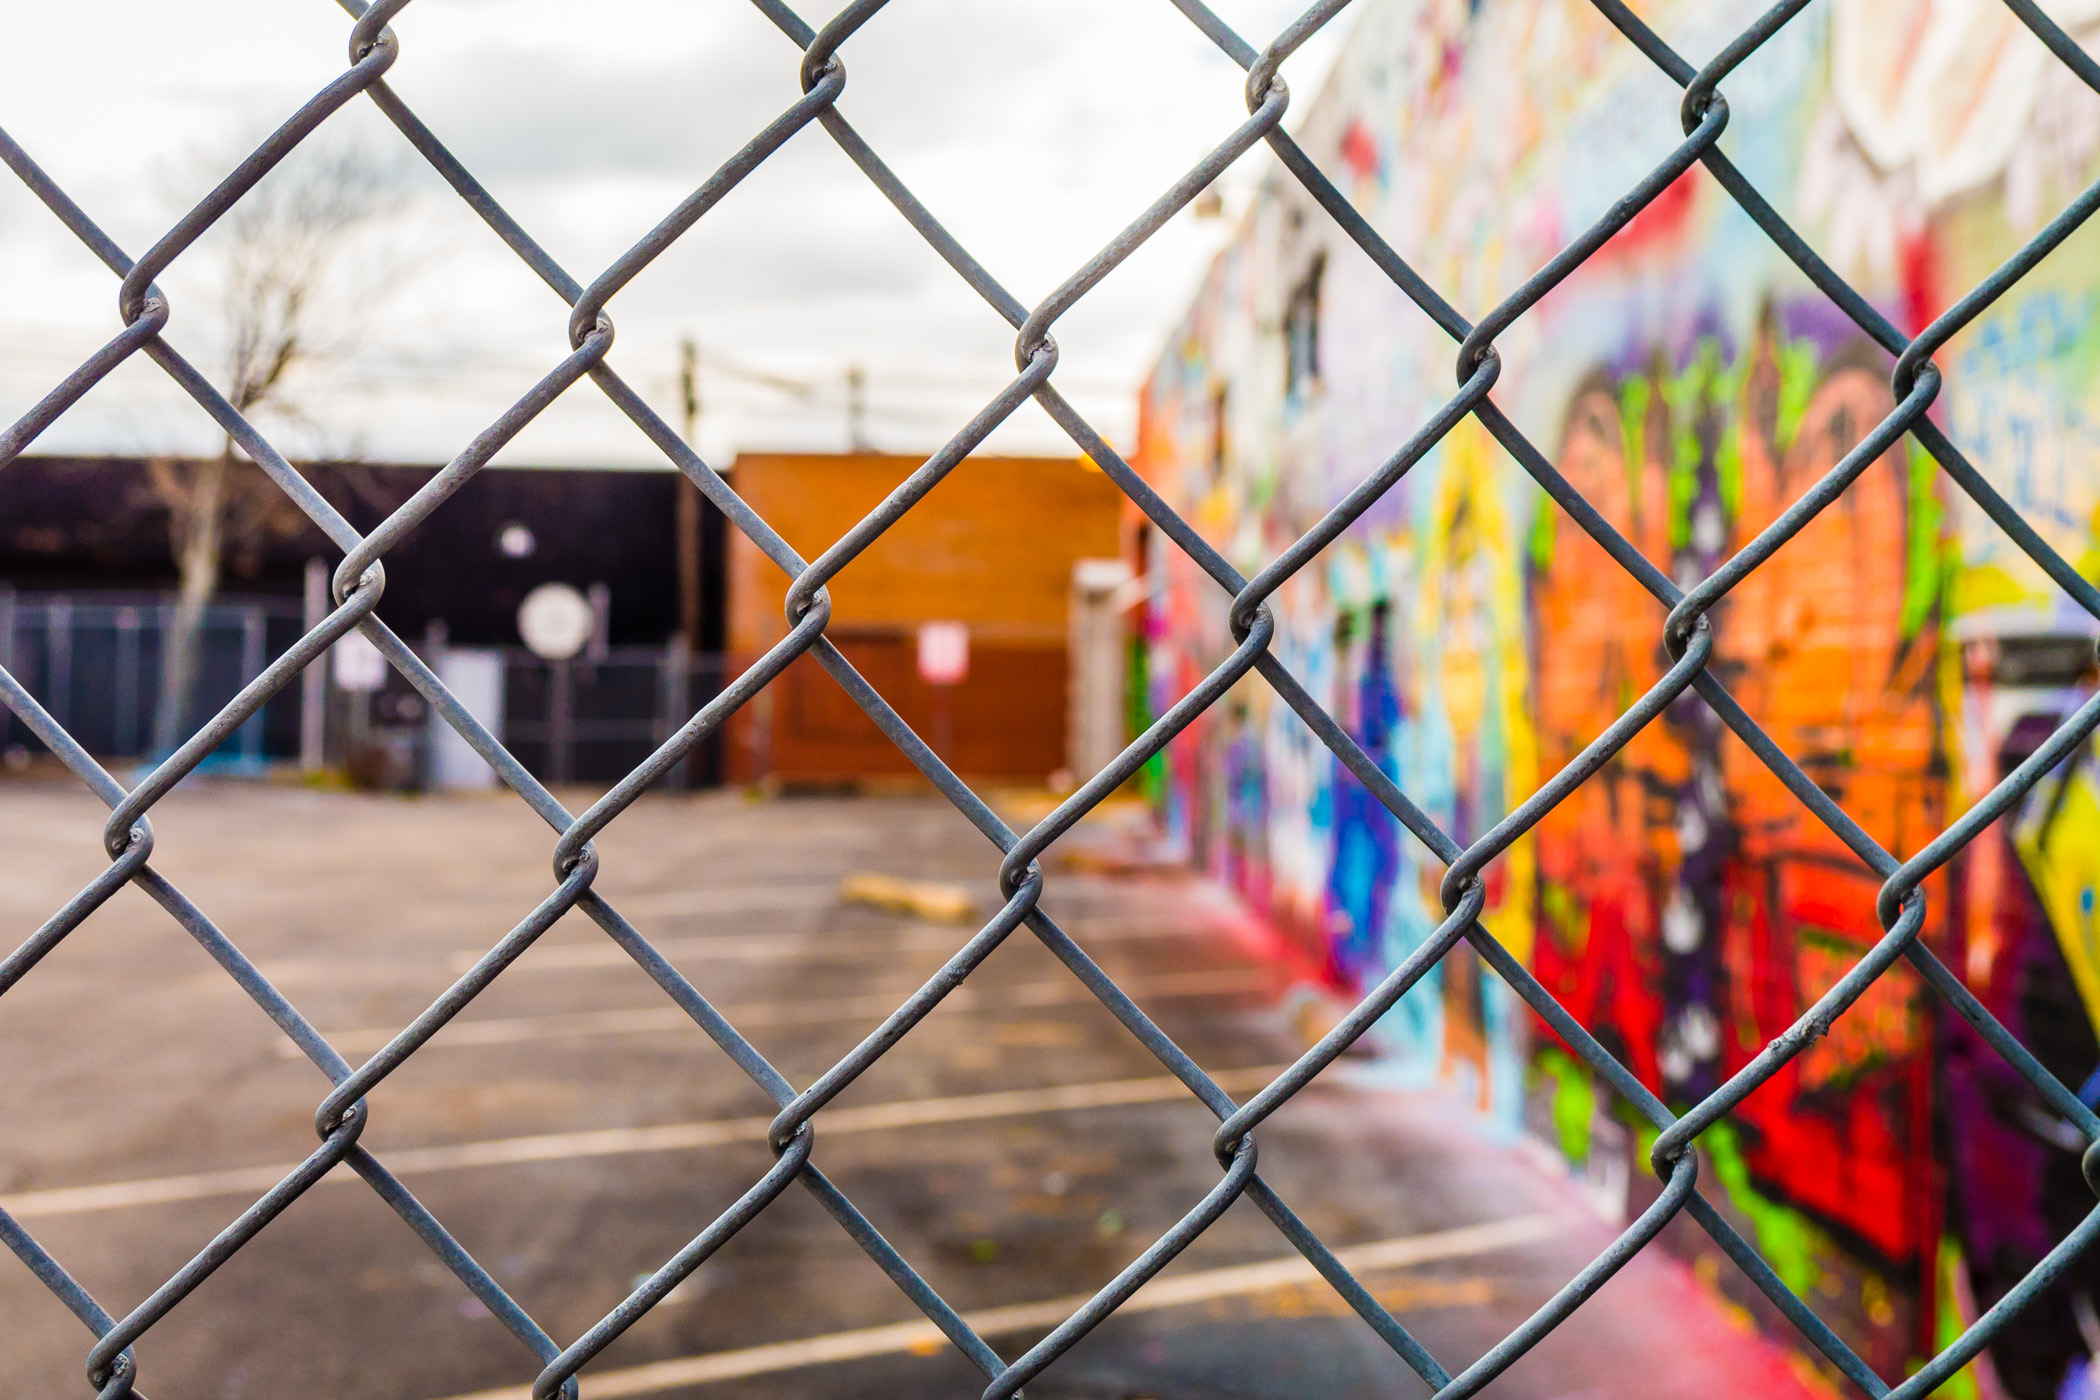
[
  {"x": 1691, "y": 384},
  {"x": 1691, "y": 906}
]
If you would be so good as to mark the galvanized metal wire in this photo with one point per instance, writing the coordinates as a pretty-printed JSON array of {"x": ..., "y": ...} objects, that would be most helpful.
[{"x": 1687, "y": 634}]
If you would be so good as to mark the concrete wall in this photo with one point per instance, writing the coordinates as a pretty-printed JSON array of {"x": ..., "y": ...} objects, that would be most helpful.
[{"x": 1691, "y": 382}]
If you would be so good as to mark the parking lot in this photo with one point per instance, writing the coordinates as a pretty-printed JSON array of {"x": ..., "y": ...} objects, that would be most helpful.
[{"x": 574, "y": 1129}]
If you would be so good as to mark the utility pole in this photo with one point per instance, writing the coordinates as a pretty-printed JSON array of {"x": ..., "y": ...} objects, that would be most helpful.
[
  {"x": 313, "y": 681},
  {"x": 689, "y": 501},
  {"x": 678, "y": 657},
  {"x": 857, "y": 410}
]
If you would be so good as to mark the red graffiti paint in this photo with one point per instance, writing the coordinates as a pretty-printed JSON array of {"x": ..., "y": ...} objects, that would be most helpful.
[
  {"x": 1918, "y": 258},
  {"x": 1667, "y": 219},
  {"x": 1360, "y": 150}
]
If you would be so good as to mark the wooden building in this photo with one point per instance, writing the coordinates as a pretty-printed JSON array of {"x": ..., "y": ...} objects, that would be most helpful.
[{"x": 992, "y": 547}]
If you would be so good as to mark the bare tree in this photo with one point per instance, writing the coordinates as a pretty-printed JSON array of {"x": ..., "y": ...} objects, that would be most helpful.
[{"x": 282, "y": 246}]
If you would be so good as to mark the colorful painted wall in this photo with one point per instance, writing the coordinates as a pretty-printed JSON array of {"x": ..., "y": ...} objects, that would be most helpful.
[{"x": 1691, "y": 383}]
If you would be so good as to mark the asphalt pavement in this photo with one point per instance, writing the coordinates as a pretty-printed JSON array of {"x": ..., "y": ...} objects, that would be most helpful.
[{"x": 574, "y": 1130}]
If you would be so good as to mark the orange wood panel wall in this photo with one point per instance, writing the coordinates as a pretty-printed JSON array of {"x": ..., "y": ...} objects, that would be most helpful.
[{"x": 992, "y": 546}]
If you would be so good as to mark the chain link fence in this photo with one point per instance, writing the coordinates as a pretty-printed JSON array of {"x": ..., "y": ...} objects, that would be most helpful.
[{"x": 1687, "y": 635}]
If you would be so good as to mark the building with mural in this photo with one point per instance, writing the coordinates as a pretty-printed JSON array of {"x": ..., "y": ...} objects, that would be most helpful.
[{"x": 1691, "y": 383}]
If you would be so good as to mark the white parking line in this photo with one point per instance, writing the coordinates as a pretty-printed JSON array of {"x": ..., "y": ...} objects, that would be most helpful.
[
  {"x": 763, "y": 947},
  {"x": 655, "y": 1019},
  {"x": 1167, "y": 1292},
  {"x": 613, "y": 1142}
]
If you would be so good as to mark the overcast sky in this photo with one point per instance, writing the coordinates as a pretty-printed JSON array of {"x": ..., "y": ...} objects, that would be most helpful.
[{"x": 1034, "y": 130}]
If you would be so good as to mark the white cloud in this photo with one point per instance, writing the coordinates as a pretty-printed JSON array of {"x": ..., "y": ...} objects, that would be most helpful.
[{"x": 1035, "y": 132}]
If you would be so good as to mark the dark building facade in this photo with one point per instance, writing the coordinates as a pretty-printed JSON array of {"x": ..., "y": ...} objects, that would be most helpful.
[{"x": 97, "y": 525}]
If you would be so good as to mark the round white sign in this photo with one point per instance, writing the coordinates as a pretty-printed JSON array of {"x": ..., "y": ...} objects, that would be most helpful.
[{"x": 555, "y": 621}]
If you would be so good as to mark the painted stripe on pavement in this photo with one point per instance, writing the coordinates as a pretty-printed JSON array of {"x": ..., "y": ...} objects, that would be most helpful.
[
  {"x": 766, "y": 947},
  {"x": 570, "y": 1024},
  {"x": 1167, "y": 1292},
  {"x": 614, "y": 1142}
]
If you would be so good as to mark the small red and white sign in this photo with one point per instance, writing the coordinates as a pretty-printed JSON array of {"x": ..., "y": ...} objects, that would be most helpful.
[{"x": 944, "y": 652}]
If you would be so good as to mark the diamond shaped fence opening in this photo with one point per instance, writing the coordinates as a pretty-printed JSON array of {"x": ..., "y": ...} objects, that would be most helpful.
[{"x": 1685, "y": 637}]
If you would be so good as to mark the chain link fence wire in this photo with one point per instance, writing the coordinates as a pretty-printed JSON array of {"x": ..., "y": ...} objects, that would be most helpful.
[{"x": 1687, "y": 635}]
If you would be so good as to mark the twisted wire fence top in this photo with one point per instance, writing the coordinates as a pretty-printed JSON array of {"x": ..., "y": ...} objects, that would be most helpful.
[{"x": 1687, "y": 634}]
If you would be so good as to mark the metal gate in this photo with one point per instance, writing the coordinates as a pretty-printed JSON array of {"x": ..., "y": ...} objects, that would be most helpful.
[{"x": 94, "y": 661}]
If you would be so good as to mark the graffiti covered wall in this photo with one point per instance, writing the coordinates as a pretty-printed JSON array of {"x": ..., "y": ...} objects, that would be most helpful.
[{"x": 1691, "y": 383}]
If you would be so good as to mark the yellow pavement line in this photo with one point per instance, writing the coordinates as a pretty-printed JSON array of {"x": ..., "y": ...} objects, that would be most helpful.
[
  {"x": 613, "y": 1142},
  {"x": 1168, "y": 1292},
  {"x": 570, "y": 1024}
]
